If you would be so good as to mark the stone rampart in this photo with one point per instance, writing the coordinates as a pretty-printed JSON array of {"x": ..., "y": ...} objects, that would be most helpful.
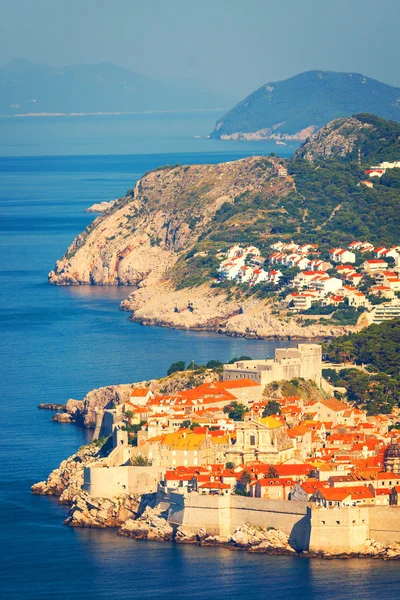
[
  {"x": 101, "y": 481},
  {"x": 384, "y": 522},
  {"x": 221, "y": 515},
  {"x": 339, "y": 530}
]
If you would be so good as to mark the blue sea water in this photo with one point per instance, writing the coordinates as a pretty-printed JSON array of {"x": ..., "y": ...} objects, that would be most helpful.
[{"x": 57, "y": 343}]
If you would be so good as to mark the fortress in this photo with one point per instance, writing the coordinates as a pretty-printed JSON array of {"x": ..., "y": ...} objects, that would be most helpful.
[
  {"x": 304, "y": 361},
  {"x": 343, "y": 530}
]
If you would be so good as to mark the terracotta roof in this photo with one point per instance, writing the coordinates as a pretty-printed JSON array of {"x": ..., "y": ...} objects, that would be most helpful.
[{"x": 139, "y": 392}]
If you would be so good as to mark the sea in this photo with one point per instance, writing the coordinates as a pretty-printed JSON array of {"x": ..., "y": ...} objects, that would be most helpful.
[{"x": 58, "y": 343}]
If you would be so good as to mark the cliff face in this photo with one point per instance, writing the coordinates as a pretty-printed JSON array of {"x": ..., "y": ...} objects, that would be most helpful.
[
  {"x": 141, "y": 237},
  {"x": 337, "y": 139},
  {"x": 167, "y": 235},
  {"x": 376, "y": 140}
]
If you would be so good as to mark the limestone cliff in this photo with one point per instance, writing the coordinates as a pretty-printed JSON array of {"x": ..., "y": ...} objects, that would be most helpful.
[
  {"x": 363, "y": 136},
  {"x": 83, "y": 411},
  {"x": 65, "y": 481},
  {"x": 167, "y": 235},
  {"x": 141, "y": 236}
]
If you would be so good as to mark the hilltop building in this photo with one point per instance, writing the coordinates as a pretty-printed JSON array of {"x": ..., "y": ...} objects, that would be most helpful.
[{"x": 304, "y": 361}]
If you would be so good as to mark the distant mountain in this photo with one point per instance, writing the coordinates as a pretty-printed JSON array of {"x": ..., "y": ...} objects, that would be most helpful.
[
  {"x": 297, "y": 107},
  {"x": 26, "y": 87}
]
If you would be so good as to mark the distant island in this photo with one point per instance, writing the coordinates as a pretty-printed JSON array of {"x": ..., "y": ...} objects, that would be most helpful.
[
  {"x": 31, "y": 89},
  {"x": 261, "y": 247},
  {"x": 297, "y": 107}
]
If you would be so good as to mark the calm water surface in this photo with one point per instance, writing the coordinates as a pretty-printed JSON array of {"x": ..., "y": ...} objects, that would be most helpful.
[{"x": 58, "y": 343}]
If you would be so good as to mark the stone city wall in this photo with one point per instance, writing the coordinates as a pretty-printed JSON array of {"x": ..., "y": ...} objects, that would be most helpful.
[
  {"x": 221, "y": 515},
  {"x": 384, "y": 522},
  {"x": 101, "y": 481}
]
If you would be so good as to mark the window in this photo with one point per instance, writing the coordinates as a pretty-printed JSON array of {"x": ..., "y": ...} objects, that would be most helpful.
[
  {"x": 252, "y": 440},
  {"x": 337, "y": 522}
]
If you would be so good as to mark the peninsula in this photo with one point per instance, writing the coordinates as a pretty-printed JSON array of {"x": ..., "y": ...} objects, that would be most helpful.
[
  {"x": 259, "y": 455},
  {"x": 259, "y": 247}
]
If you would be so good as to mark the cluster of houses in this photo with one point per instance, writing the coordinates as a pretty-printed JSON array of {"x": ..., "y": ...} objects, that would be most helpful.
[
  {"x": 246, "y": 265},
  {"x": 333, "y": 280},
  {"x": 324, "y": 451}
]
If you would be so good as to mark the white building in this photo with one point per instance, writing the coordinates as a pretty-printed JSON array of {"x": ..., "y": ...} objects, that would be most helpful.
[{"x": 338, "y": 255}]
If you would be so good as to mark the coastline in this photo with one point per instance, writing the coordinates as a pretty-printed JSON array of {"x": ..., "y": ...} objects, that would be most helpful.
[{"x": 145, "y": 517}]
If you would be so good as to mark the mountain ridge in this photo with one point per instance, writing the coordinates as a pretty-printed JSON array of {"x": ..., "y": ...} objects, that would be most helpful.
[
  {"x": 27, "y": 87},
  {"x": 296, "y": 107}
]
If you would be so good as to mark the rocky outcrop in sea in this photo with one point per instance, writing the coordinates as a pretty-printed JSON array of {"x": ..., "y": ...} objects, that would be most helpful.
[
  {"x": 66, "y": 481},
  {"x": 83, "y": 411},
  {"x": 106, "y": 512}
]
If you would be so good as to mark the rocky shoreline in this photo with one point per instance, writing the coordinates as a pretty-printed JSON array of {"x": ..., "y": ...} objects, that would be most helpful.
[
  {"x": 82, "y": 412},
  {"x": 140, "y": 517}
]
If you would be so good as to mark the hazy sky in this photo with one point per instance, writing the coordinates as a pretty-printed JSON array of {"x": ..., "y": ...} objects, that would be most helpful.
[{"x": 233, "y": 45}]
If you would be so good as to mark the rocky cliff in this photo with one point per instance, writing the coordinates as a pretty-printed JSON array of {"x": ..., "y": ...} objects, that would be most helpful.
[
  {"x": 66, "y": 481},
  {"x": 167, "y": 236},
  {"x": 140, "y": 238},
  {"x": 363, "y": 136},
  {"x": 83, "y": 411}
]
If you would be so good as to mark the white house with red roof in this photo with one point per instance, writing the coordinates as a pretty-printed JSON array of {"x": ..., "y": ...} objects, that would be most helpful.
[
  {"x": 140, "y": 396},
  {"x": 374, "y": 264},
  {"x": 339, "y": 255}
]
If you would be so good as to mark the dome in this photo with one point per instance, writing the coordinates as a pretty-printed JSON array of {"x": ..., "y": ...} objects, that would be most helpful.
[{"x": 393, "y": 451}]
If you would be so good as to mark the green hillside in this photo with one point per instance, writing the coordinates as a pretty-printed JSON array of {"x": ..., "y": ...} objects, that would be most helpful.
[
  {"x": 310, "y": 99},
  {"x": 323, "y": 200}
]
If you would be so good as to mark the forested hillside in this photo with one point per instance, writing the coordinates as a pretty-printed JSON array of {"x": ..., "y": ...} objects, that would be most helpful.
[
  {"x": 298, "y": 106},
  {"x": 378, "y": 347}
]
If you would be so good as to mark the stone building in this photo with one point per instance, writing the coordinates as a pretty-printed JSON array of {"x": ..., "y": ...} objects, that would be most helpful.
[
  {"x": 266, "y": 440},
  {"x": 391, "y": 460},
  {"x": 304, "y": 361},
  {"x": 184, "y": 448}
]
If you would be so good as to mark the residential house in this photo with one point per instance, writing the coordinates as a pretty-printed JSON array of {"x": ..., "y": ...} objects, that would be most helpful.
[
  {"x": 339, "y": 255},
  {"x": 374, "y": 264}
]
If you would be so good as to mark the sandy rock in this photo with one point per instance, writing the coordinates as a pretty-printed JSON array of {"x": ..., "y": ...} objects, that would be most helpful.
[
  {"x": 62, "y": 418},
  {"x": 150, "y": 526},
  {"x": 261, "y": 539},
  {"x": 74, "y": 408},
  {"x": 100, "y": 207},
  {"x": 66, "y": 480},
  {"x": 102, "y": 512}
]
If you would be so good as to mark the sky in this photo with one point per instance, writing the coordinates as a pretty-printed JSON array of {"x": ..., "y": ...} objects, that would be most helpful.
[{"x": 233, "y": 46}]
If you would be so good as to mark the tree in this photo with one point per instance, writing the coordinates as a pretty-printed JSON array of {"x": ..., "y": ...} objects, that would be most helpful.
[
  {"x": 273, "y": 408},
  {"x": 230, "y": 465},
  {"x": 272, "y": 473},
  {"x": 176, "y": 366},
  {"x": 236, "y": 359},
  {"x": 140, "y": 461},
  {"x": 214, "y": 364},
  {"x": 236, "y": 411},
  {"x": 186, "y": 424},
  {"x": 241, "y": 488}
]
